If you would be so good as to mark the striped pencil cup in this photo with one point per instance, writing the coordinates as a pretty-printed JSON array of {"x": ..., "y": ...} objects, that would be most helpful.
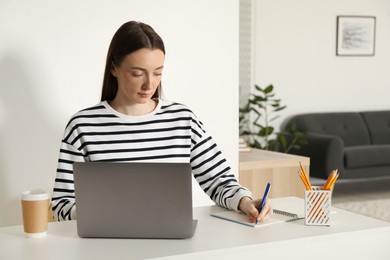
[{"x": 317, "y": 206}]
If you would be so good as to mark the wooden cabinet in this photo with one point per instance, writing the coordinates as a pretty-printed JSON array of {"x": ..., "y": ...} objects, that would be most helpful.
[{"x": 257, "y": 167}]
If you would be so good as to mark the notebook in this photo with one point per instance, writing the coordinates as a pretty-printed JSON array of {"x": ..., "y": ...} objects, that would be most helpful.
[
  {"x": 134, "y": 200},
  {"x": 284, "y": 210}
]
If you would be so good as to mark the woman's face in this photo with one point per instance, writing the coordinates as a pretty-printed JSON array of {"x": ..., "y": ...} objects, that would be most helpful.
[{"x": 139, "y": 75}]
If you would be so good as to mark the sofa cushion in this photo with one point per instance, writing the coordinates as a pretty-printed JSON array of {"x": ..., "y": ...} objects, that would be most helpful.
[
  {"x": 349, "y": 126},
  {"x": 378, "y": 124},
  {"x": 367, "y": 156}
]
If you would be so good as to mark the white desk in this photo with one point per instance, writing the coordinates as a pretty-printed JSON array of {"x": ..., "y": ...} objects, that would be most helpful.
[{"x": 351, "y": 236}]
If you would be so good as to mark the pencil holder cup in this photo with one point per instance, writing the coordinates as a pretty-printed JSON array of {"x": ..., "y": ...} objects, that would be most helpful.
[{"x": 317, "y": 206}]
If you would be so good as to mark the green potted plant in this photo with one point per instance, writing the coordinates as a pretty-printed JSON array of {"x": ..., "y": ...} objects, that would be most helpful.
[{"x": 256, "y": 119}]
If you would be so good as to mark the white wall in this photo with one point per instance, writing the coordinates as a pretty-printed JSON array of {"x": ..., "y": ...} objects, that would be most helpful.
[
  {"x": 52, "y": 56},
  {"x": 295, "y": 50}
]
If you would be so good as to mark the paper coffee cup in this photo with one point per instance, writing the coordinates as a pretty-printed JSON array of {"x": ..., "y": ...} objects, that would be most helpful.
[{"x": 35, "y": 205}]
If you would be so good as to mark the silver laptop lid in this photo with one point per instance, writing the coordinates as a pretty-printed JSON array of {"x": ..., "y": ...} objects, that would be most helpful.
[{"x": 134, "y": 200}]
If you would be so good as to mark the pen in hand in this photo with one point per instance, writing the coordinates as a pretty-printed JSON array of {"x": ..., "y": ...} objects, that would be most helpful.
[{"x": 261, "y": 206}]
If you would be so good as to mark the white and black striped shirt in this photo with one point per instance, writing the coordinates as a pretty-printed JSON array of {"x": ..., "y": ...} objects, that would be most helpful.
[{"x": 171, "y": 133}]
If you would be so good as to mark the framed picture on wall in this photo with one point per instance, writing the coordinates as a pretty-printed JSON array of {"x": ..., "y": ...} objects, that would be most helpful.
[{"x": 355, "y": 36}]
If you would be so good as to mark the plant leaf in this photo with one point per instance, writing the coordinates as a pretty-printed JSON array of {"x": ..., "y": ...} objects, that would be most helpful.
[
  {"x": 258, "y": 88},
  {"x": 269, "y": 89}
]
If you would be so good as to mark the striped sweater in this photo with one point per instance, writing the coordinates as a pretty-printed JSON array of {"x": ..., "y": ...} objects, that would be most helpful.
[{"x": 170, "y": 133}]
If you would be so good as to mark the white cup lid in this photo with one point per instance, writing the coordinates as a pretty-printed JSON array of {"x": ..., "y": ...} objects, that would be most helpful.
[{"x": 37, "y": 194}]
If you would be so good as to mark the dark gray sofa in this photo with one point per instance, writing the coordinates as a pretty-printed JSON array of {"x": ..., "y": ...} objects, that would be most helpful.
[{"x": 355, "y": 143}]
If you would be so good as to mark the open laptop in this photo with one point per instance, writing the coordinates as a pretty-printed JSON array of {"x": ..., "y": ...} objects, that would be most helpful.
[{"x": 134, "y": 200}]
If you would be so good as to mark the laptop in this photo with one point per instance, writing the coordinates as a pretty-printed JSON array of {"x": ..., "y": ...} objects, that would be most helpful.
[{"x": 134, "y": 200}]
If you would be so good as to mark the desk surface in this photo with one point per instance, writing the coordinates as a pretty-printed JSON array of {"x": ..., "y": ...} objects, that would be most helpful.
[{"x": 350, "y": 235}]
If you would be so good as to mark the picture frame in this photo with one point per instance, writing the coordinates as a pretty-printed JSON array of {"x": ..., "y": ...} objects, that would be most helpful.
[{"x": 355, "y": 36}]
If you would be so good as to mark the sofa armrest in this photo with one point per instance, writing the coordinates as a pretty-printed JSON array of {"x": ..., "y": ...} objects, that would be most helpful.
[{"x": 326, "y": 153}]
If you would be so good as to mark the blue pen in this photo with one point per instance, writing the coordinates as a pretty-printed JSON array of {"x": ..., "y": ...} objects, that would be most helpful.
[{"x": 267, "y": 188}]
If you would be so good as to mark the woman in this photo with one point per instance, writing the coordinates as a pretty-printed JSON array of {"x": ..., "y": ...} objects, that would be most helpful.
[{"x": 133, "y": 123}]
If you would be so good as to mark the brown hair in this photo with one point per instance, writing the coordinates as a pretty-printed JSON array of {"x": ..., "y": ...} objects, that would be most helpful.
[{"x": 130, "y": 37}]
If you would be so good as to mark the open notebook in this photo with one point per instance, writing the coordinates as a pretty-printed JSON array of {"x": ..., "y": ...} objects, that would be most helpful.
[{"x": 285, "y": 209}]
